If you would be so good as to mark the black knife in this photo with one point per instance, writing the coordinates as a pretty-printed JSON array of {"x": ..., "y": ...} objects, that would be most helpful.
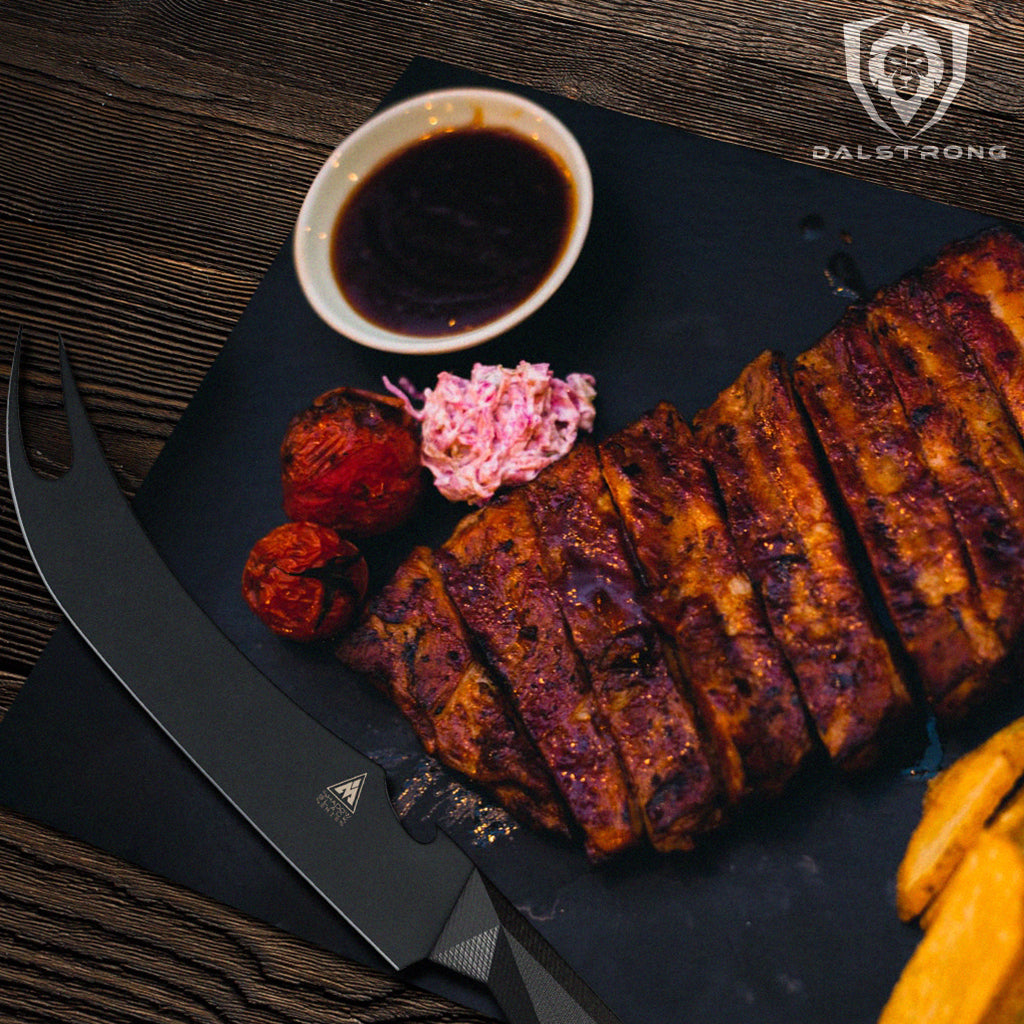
[{"x": 320, "y": 803}]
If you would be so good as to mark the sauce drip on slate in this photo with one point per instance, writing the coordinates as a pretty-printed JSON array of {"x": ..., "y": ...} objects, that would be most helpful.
[{"x": 452, "y": 231}]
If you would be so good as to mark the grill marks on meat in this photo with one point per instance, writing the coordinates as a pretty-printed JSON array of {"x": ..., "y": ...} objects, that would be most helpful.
[
  {"x": 790, "y": 541},
  {"x": 901, "y": 515},
  {"x": 491, "y": 567},
  {"x": 979, "y": 286},
  {"x": 699, "y": 594},
  {"x": 673, "y": 782},
  {"x": 663, "y": 625},
  {"x": 967, "y": 441},
  {"x": 413, "y": 645}
]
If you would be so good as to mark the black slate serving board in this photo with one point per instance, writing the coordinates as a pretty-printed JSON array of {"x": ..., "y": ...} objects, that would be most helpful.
[{"x": 701, "y": 254}]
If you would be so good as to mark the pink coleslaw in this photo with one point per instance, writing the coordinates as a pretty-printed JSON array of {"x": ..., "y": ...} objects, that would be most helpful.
[{"x": 501, "y": 426}]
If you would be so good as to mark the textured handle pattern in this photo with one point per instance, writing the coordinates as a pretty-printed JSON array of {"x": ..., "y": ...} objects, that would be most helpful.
[{"x": 488, "y": 939}]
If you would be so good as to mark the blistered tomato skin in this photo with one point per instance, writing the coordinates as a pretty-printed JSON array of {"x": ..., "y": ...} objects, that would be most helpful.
[
  {"x": 304, "y": 581},
  {"x": 352, "y": 461}
]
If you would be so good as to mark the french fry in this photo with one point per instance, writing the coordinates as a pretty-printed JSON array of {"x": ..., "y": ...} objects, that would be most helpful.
[
  {"x": 1009, "y": 822},
  {"x": 969, "y": 966},
  {"x": 958, "y": 803}
]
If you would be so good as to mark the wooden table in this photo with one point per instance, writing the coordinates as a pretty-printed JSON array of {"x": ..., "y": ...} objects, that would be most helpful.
[{"x": 153, "y": 157}]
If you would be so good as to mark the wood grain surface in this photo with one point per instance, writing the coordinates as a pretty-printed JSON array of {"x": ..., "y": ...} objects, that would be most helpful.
[{"x": 153, "y": 157}]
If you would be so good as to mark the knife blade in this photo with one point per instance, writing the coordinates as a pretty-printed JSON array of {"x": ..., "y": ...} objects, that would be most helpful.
[{"x": 318, "y": 801}]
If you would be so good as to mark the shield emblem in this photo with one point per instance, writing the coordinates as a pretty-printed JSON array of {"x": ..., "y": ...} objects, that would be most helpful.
[{"x": 914, "y": 72}]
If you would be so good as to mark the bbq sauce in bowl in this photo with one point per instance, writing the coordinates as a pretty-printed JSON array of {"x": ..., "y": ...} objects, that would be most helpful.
[
  {"x": 384, "y": 263},
  {"x": 453, "y": 231}
]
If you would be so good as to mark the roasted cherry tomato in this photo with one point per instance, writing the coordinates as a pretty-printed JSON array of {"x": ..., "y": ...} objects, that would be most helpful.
[
  {"x": 352, "y": 461},
  {"x": 304, "y": 581}
]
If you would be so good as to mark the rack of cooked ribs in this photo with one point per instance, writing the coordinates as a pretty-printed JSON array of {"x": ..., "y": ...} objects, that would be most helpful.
[{"x": 676, "y": 620}]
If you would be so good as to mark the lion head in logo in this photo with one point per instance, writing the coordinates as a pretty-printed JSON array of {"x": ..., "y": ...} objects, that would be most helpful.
[{"x": 905, "y": 65}]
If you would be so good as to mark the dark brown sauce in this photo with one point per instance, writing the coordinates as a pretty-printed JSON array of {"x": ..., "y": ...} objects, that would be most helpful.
[{"x": 453, "y": 231}]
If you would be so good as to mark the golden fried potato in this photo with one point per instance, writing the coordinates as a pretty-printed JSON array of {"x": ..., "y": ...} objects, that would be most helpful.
[
  {"x": 957, "y": 805},
  {"x": 969, "y": 966},
  {"x": 1010, "y": 819},
  {"x": 1008, "y": 822}
]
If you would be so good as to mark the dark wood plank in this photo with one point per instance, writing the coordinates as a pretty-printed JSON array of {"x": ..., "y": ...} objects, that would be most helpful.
[{"x": 102, "y": 941}]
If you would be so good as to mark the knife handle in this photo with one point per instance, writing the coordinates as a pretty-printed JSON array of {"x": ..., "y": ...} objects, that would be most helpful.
[{"x": 488, "y": 939}]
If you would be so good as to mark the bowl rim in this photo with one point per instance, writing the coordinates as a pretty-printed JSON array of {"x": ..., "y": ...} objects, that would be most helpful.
[{"x": 309, "y": 254}]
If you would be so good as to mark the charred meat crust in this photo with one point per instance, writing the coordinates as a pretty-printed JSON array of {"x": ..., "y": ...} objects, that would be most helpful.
[
  {"x": 900, "y": 514},
  {"x": 412, "y": 644},
  {"x": 598, "y": 654},
  {"x": 652, "y": 723},
  {"x": 491, "y": 569},
  {"x": 699, "y": 594},
  {"x": 966, "y": 439},
  {"x": 790, "y": 541},
  {"x": 978, "y": 285}
]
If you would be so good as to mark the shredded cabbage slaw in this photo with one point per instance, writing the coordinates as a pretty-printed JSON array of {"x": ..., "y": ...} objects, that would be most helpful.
[{"x": 501, "y": 426}]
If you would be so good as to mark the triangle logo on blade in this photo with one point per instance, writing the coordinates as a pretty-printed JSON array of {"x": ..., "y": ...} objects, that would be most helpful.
[
  {"x": 348, "y": 791},
  {"x": 341, "y": 799}
]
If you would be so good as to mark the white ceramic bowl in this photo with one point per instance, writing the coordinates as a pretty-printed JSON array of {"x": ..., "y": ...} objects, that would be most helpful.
[{"x": 390, "y": 131}]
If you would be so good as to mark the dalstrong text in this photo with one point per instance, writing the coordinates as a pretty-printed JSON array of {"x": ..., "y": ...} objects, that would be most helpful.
[{"x": 910, "y": 151}]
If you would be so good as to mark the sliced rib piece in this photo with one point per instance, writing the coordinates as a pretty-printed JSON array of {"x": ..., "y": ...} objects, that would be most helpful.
[
  {"x": 790, "y": 542},
  {"x": 491, "y": 569},
  {"x": 900, "y": 514},
  {"x": 967, "y": 441},
  {"x": 699, "y": 594},
  {"x": 979, "y": 284},
  {"x": 672, "y": 780},
  {"x": 413, "y": 645}
]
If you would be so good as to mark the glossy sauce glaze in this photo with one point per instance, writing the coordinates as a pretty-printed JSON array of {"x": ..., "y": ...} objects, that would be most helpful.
[{"x": 453, "y": 231}]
